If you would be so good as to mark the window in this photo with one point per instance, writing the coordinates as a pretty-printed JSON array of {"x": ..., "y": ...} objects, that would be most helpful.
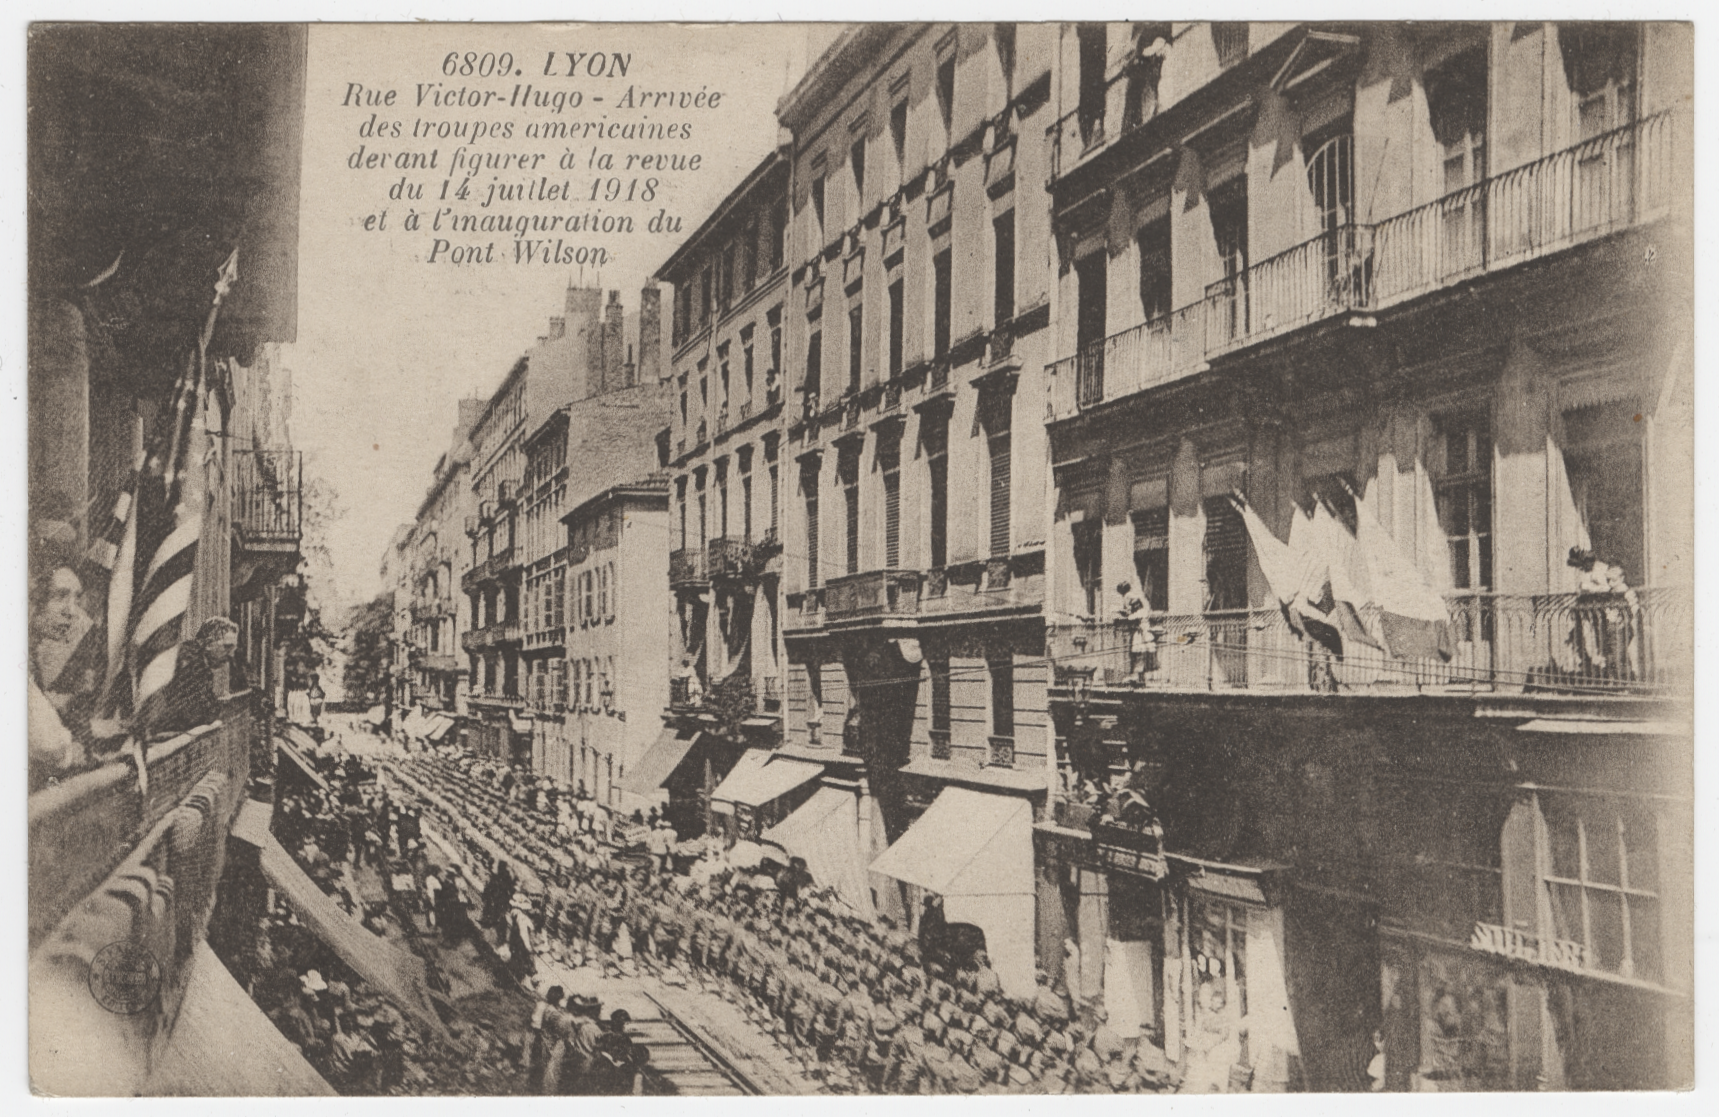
[
  {"x": 1218, "y": 940},
  {"x": 775, "y": 494},
  {"x": 725, "y": 277},
  {"x": 1230, "y": 42},
  {"x": 898, "y": 139},
  {"x": 856, "y": 350},
  {"x": 746, "y": 361},
  {"x": 937, "y": 466},
  {"x": 602, "y": 576},
  {"x": 749, "y": 255},
  {"x": 1227, "y": 206},
  {"x": 746, "y": 505},
  {"x": 1153, "y": 244},
  {"x": 559, "y": 677},
  {"x": 1091, "y": 315},
  {"x": 1330, "y": 181},
  {"x": 1226, "y": 550},
  {"x": 704, "y": 296},
  {"x": 1003, "y": 278},
  {"x": 1005, "y": 41},
  {"x": 1602, "y": 883},
  {"x": 1002, "y": 697},
  {"x": 1089, "y": 564},
  {"x": 941, "y": 714},
  {"x": 703, "y": 518},
  {"x": 1464, "y": 498},
  {"x": 818, "y": 210},
  {"x": 775, "y": 345},
  {"x": 856, "y": 162},
  {"x": 895, "y": 328},
  {"x": 1602, "y": 448},
  {"x": 613, "y": 579},
  {"x": 889, "y": 463},
  {"x": 941, "y": 308},
  {"x": 1600, "y": 62},
  {"x": 946, "y": 95},
  {"x": 722, "y": 378},
  {"x": 1456, "y": 104},
  {"x": 851, "y": 508},
  {"x": 1000, "y": 445},
  {"x": 814, "y": 369},
  {"x": 1092, "y": 65},
  {"x": 683, "y": 419},
  {"x": 590, "y": 597},
  {"x": 1152, "y": 557},
  {"x": 810, "y": 481},
  {"x": 778, "y": 234}
]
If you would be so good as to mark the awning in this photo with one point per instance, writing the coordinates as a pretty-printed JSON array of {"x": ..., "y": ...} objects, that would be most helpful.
[
  {"x": 223, "y": 1046},
  {"x": 301, "y": 761},
  {"x": 252, "y": 822},
  {"x": 825, "y": 831},
  {"x": 976, "y": 851},
  {"x": 518, "y": 724},
  {"x": 758, "y": 778},
  {"x": 375, "y": 714},
  {"x": 301, "y": 738},
  {"x": 1605, "y": 728},
  {"x": 440, "y": 728},
  {"x": 658, "y": 763},
  {"x": 397, "y": 975}
]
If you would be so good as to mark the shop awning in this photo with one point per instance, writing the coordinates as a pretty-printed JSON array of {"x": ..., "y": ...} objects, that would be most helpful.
[
  {"x": 223, "y": 1046},
  {"x": 397, "y": 975},
  {"x": 300, "y": 761},
  {"x": 758, "y": 778},
  {"x": 976, "y": 851},
  {"x": 252, "y": 822},
  {"x": 658, "y": 763},
  {"x": 439, "y": 730},
  {"x": 825, "y": 831}
]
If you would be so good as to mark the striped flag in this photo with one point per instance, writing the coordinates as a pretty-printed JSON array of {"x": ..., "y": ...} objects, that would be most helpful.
[{"x": 155, "y": 553}]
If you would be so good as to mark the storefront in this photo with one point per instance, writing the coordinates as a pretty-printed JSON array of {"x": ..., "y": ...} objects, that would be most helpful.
[{"x": 760, "y": 791}]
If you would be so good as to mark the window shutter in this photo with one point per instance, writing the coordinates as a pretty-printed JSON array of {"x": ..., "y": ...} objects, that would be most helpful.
[{"x": 1000, "y": 465}]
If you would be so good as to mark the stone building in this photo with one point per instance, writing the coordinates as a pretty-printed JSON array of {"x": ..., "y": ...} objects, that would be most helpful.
[
  {"x": 1411, "y": 304},
  {"x": 727, "y": 376}
]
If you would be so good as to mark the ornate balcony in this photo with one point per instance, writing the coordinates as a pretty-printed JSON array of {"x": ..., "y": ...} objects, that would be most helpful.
[
  {"x": 733, "y": 559},
  {"x": 1615, "y": 181},
  {"x": 687, "y": 568},
  {"x": 874, "y": 594},
  {"x": 490, "y": 635},
  {"x": 268, "y": 498},
  {"x": 1555, "y": 644},
  {"x": 488, "y": 569}
]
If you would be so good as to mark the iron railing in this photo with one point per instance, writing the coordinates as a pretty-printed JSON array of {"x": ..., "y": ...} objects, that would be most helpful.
[
  {"x": 1614, "y": 181},
  {"x": 268, "y": 495},
  {"x": 1635, "y": 644}
]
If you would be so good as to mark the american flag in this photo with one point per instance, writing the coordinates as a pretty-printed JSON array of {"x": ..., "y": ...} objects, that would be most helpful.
[{"x": 150, "y": 542}]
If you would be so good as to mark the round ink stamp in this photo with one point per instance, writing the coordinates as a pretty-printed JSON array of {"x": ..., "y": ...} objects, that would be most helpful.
[{"x": 124, "y": 978}]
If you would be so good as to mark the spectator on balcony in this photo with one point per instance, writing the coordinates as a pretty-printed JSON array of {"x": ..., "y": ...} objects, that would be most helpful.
[
  {"x": 55, "y": 613},
  {"x": 692, "y": 688},
  {"x": 1130, "y": 619},
  {"x": 1607, "y": 611},
  {"x": 200, "y": 681}
]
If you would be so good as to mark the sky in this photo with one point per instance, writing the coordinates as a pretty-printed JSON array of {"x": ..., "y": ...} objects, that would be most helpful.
[{"x": 389, "y": 341}]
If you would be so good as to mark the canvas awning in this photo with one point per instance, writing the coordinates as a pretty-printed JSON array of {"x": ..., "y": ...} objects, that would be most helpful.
[
  {"x": 658, "y": 763},
  {"x": 223, "y": 1046},
  {"x": 397, "y": 975},
  {"x": 825, "y": 832},
  {"x": 439, "y": 730},
  {"x": 976, "y": 851},
  {"x": 300, "y": 761},
  {"x": 758, "y": 778}
]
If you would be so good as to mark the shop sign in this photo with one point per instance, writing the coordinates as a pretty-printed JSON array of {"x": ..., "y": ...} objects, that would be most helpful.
[
  {"x": 1137, "y": 861},
  {"x": 1558, "y": 953}
]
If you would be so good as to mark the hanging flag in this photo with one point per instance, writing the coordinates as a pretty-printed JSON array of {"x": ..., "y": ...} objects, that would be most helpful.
[
  {"x": 1346, "y": 575},
  {"x": 1414, "y": 617},
  {"x": 149, "y": 593},
  {"x": 1295, "y": 575}
]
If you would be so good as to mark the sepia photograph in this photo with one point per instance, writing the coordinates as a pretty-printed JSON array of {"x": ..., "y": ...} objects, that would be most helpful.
[{"x": 843, "y": 559}]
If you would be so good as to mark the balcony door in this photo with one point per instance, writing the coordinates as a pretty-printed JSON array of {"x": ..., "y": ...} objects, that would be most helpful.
[{"x": 1092, "y": 279}]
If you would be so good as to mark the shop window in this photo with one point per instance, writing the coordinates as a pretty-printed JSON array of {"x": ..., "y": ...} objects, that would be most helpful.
[{"x": 1602, "y": 883}]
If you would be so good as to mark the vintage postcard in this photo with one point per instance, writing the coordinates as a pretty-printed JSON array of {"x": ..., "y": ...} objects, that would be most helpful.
[{"x": 860, "y": 559}]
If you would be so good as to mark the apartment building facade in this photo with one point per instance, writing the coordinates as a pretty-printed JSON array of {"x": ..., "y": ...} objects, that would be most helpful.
[
  {"x": 914, "y": 571},
  {"x": 727, "y": 377},
  {"x": 1414, "y": 301},
  {"x": 437, "y": 613}
]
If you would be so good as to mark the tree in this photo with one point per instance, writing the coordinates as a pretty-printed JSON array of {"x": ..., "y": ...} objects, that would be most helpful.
[{"x": 369, "y": 628}]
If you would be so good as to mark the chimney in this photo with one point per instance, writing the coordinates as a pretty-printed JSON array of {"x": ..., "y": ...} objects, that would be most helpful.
[
  {"x": 650, "y": 334},
  {"x": 614, "y": 321}
]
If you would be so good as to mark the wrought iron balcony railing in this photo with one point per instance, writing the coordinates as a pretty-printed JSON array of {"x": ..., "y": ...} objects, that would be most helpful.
[
  {"x": 1612, "y": 182},
  {"x": 268, "y": 496},
  {"x": 1587, "y": 644}
]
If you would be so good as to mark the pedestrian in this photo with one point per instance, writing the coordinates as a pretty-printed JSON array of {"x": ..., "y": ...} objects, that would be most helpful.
[{"x": 557, "y": 1029}]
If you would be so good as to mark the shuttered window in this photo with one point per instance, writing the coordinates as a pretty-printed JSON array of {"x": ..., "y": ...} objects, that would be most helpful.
[
  {"x": 812, "y": 535},
  {"x": 850, "y": 499},
  {"x": 937, "y": 465},
  {"x": 1152, "y": 556},
  {"x": 940, "y": 716},
  {"x": 1226, "y": 555},
  {"x": 890, "y": 461},
  {"x": 1000, "y": 464}
]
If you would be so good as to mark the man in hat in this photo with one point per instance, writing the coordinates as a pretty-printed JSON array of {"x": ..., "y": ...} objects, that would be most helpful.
[{"x": 582, "y": 1037}]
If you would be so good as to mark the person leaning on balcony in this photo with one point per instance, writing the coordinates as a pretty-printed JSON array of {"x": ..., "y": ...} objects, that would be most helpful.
[
  {"x": 193, "y": 696},
  {"x": 1130, "y": 617},
  {"x": 55, "y": 611},
  {"x": 1604, "y": 627}
]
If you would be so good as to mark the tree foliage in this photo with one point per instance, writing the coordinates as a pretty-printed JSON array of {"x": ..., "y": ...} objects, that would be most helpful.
[{"x": 369, "y": 629}]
